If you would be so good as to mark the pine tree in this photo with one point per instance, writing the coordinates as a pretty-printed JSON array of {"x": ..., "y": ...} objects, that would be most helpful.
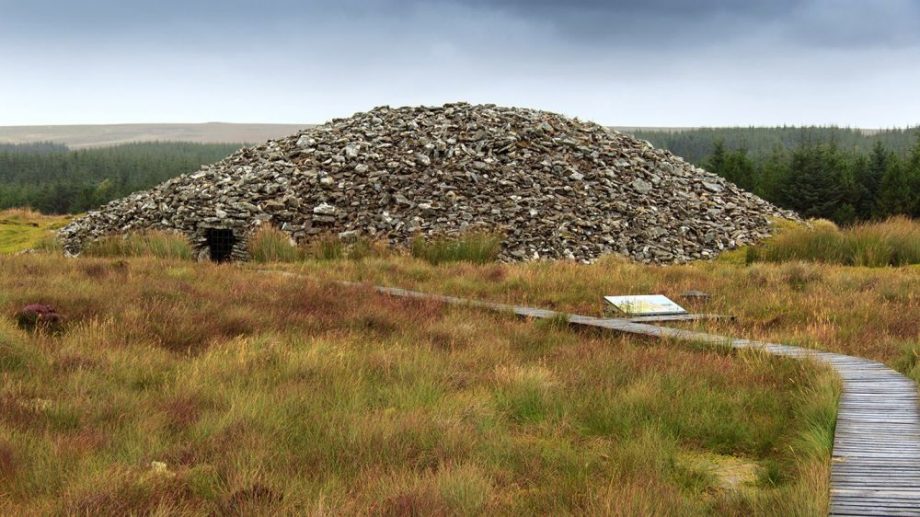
[
  {"x": 772, "y": 174},
  {"x": 717, "y": 160},
  {"x": 816, "y": 185},
  {"x": 735, "y": 166},
  {"x": 913, "y": 178},
  {"x": 740, "y": 169},
  {"x": 894, "y": 196},
  {"x": 870, "y": 171}
]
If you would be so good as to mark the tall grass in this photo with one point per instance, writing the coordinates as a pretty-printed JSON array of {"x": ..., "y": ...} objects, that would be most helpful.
[
  {"x": 895, "y": 242},
  {"x": 325, "y": 247},
  {"x": 49, "y": 244},
  {"x": 269, "y": 244},
  {"x": 159, "y": 244},
  {"x": 185, "y": 388},
  {"x": 475, "y": 247}
]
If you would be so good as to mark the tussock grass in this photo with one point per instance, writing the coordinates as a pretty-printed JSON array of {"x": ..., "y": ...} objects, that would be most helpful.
[
  {"x": 895, "y": 242},
  {"x": 909, "y": 360},
  {"x": 331, "y": 247},
  {"x": 187, "y": 388},
  {"x": 159, "y": 244},
  {"x": 325, "y": 247},
  {"x": 49, "y": 244},
  {"x": 364, "y": 248},
  {"x": 269, "y": 244},
  {"x": 476, "y": 247}
]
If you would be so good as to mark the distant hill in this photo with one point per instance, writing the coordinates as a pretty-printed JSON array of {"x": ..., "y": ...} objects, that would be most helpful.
[{"x": 84, "y": 136}]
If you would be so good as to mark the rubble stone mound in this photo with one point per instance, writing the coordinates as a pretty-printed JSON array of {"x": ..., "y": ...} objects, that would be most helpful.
[{"x": 555, "y": 187}]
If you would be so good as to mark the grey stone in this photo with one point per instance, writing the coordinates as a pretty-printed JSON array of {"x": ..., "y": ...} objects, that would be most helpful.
[
  {"x": 348, "y": 236},
  {"x": 554, "y": 187},
  {"x": 712, "y": 187},
  {"x": 640, "y": 186},
  {"x": 324, "y": 209}
]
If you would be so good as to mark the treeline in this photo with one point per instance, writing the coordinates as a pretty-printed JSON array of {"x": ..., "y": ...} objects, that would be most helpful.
[
  {"x": 839, "y": 174},
  {"x": 822, "y": 180},
  {"x": 695, "y": 145},
  {"x": 53, "y": 180}
]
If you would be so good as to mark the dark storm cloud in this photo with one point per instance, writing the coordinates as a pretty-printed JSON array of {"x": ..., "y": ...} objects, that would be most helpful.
[
  {"x": 636, "y": 62},
  {"x": 821, "y": 23},
  {"x": 626, "y": 23}
]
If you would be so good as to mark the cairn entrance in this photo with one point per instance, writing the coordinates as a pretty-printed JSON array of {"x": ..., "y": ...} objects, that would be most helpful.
[{"x": 220, "y": 243}]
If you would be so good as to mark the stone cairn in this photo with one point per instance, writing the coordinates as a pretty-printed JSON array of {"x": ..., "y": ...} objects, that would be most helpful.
[{"x": 554, "y": 187}]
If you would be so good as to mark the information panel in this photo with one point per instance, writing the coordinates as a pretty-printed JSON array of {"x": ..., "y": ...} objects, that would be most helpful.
[{"x": 646, "y": 305}]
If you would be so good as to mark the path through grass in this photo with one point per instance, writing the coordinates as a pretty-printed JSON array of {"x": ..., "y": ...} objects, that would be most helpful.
[
  {"x": 861, "y": 311},
  {"x": 193, "y": 388}
]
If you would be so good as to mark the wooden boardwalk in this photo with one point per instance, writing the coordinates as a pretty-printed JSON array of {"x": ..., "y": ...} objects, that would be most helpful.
[{"x": 875, "y": 468}]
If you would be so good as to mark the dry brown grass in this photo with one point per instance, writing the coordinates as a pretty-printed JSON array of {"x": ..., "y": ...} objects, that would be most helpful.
[
  {"x": 155, "y": 243},
  {"x": 183, "y": 388},
  {"x": 868, "y": 312},
  {"x": 894, "y": 242}
]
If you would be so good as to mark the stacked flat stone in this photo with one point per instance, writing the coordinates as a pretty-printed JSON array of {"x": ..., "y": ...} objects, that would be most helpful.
[{"x": 555, "y": 187}]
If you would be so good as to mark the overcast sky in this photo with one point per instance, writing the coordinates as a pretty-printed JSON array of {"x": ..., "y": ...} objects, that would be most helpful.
[{"x": 618, "y": 62}]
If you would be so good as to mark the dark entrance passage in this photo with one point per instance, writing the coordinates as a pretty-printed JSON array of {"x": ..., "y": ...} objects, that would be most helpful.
[{"x": 220, "y": 243}]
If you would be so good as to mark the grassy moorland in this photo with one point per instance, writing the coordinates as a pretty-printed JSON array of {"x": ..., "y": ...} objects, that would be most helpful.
[
  {"x": 184, "y": 388},
  {"x": 178, "y": 387},
  {"x": 870, "y": 312},
  {"x": 22, "y": 229},
  {"x": 800, "y": 295}
]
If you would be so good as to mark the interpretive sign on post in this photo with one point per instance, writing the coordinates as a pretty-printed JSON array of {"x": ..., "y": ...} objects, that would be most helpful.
[{"x": 645, "y": 305}]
